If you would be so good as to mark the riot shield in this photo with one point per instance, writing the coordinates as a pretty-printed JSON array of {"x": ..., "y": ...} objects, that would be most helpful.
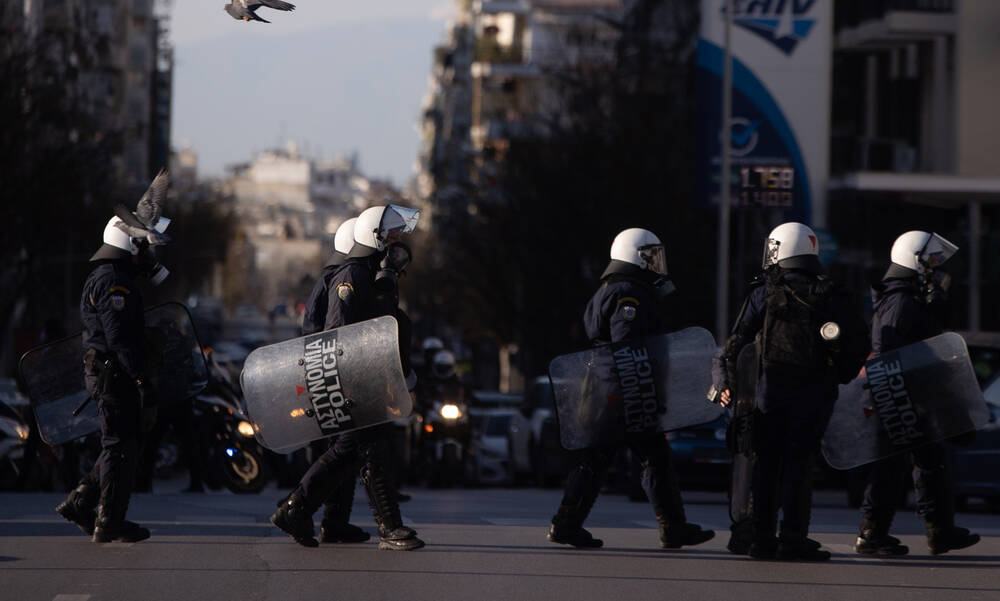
[
  {"x": 658, "y": 383},
  {"x": 918, "y": 394},
  {"x": 326, "y": 383},
  {"x": 53, "y": 373},
  {"x": 739, "y": 435}
]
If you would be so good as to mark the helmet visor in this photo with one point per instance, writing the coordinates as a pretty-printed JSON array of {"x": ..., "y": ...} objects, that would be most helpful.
[
  {"x": 400, "y": 218},
  {"x": 770, "y": 253},
  {"x": 936, "y": 251},
  {"x": 654, "y": 258}
]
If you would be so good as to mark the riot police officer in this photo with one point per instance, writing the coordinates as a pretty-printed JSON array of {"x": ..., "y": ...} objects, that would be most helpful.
[
  {"x": 628, "y": 305},
  {"x": 909, "y": 307},
  {"x": 797, "y": 388},
  {"x": 335, "y": 526},
  {"x": 363, "y": 288},
  {"x": 115, "y": 366},
  {"x": 314, "y": 319}
]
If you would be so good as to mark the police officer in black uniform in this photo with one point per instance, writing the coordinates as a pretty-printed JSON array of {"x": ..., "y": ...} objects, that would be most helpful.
[
  {"x": 354, "y": 296},
  {"x": 335, "y": 526},
  {"x": 910, "y": 303},
  {"x": 628, "y": 305},
  {"x": 796, "y": 391},
  {"x": 115, "y": 366}
]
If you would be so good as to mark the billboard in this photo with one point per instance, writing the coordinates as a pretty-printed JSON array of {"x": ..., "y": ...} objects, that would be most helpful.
[{"x": 780, "y": 134}]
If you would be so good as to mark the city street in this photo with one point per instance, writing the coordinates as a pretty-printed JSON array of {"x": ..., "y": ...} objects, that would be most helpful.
[{"x": 481, "y": 544}]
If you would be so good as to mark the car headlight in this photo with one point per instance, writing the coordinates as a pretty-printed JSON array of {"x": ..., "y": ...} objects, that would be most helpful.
[
  {"x": 245, "y": 428},
  {"x": 450, "y": 411}
]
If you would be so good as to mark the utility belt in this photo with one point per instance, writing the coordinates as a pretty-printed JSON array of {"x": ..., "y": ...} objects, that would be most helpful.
[{"x": 102, "y": 365}]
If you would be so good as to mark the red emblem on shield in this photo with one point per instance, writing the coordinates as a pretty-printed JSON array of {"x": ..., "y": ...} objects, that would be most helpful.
[{"x": 299, "y": 390}]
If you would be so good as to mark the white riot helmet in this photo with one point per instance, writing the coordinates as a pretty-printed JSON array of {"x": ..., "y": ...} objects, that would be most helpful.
[
  {"x": 432, "y": 343},
  {"x": 343, "y": 240},
  {"x": 118, "y": 244},
  {"x": 792, "y": 245},
  {"x": 443, "y": 365},
  {"x": 921, "y": 251},
  {"x": 372, "y": 229},
  {"x": 641, "y": 248}
]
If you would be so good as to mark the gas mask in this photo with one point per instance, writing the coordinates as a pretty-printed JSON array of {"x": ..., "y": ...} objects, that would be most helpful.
[
  {"x": 935, "y": 285},
  {"x": 664, "y": 287},
  {"x": 148, "y": 265},
  {"x": 393, "y": 264}
]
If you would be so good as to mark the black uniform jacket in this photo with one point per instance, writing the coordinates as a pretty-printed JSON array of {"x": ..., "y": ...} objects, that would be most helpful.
[
  {"x": 112, "y": 314},
  {"x": 624, "y": 307},
  {"x": 900, "y": 318}
]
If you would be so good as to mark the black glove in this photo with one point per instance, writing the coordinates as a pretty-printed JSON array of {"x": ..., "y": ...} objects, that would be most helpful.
[{"x": 147, "y": 405}]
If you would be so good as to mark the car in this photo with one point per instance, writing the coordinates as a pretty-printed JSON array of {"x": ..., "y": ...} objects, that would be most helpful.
[
  {"x": 488, "y": 457},
  {"x": 975, "y": 468},
  {"x": 535, "y": 451},
  {"x": 702, "y": 460}
]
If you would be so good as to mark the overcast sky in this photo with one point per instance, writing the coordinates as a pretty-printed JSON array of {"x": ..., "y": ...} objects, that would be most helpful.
[{"x": 334, "y": 76}]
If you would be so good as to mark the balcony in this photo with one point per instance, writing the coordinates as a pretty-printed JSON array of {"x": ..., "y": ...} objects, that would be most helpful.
[
  {"x": 856, "y": 153},
  {"x": 489, "y": 51},
  {"x": 496, "y": 7},
  {"x": 497, "y": 129},
  {"x": 880, "y": 23}
]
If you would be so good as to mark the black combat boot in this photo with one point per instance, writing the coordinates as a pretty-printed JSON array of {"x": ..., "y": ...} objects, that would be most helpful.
[
  {"x": 335, "y": 527},
  {"x": 949, "y": 538},
  {"x": 111, "y": 527},
  {"x": 677, "y": 535},
  {"x": 569, "y": 532},
  {"x": 79, "y": 507},
  {"x": 874, "y": 539},
  {"x": 583, "y": 484},
  {"x": 393, "y": 535},
  {"x": 295, "y": 519},
  {"x": 799, "y": 548}
]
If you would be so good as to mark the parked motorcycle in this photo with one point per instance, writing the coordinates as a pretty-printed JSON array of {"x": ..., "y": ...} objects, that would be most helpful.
[
  {"x": 222, "y": 438},
  {"x": 13, "y": 438}
]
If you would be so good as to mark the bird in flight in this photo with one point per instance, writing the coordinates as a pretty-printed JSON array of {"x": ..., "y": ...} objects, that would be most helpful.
[{"x": 244, "y": 9}]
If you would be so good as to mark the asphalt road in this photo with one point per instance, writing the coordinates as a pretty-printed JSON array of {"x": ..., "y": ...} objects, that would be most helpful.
[{"x": 482, "y": 544}]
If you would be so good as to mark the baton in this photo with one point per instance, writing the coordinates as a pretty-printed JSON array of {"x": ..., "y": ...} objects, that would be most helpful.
[{"x": 80, "y": 407}]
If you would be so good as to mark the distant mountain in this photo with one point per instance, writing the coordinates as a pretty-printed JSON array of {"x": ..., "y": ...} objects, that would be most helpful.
[{"x": 338, "y": 89}]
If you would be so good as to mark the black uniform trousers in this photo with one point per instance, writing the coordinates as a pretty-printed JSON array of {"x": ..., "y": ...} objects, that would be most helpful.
[
  {"x": 336, "y": 468},
  {"x": 786, "y": 441},
  {"x": 887, "y": 482},
  {"x": 114, "y": 471},
  {"x": 659, "y": 481}
]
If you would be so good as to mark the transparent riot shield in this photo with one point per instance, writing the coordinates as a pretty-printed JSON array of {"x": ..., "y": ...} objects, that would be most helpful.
[
  {"x": 918, "y": 394},
  {"x": 657, "y": 384},
  {"x": 326, "y": 383},
  {"x": 53, "y": 373},
  {"x": 739, "y": 435}
]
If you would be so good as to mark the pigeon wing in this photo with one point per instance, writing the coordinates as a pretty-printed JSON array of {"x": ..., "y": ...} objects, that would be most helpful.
[
  {"x": 277, "y": 4},
  {"x": 252, "y": 7},
  {"x": 150, "y": 206}
]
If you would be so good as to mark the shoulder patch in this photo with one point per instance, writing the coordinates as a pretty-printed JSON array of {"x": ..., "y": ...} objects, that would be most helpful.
[
  {"x": 117, "y": 301},
  {"x": 628, "y": 312},
  {"x": 119, "y": 289},
  {"x": 344, "y": 291},
  {"x": 629, "y": 299}
]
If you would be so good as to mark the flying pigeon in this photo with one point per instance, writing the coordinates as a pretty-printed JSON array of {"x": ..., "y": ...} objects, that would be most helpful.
[
  {"x": 143, "y": 223},
  {"x": 244, "y": 9}
]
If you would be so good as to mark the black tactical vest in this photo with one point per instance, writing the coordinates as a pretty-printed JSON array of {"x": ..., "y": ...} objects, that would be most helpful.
[{"x": 796, "y": 310}]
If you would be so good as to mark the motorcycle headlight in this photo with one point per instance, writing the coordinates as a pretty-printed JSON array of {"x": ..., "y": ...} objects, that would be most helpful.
[
  {"x": 13, "y": 428},
  {"x": 450, "y": 411},
  {"x": 245, "y": 428}
]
